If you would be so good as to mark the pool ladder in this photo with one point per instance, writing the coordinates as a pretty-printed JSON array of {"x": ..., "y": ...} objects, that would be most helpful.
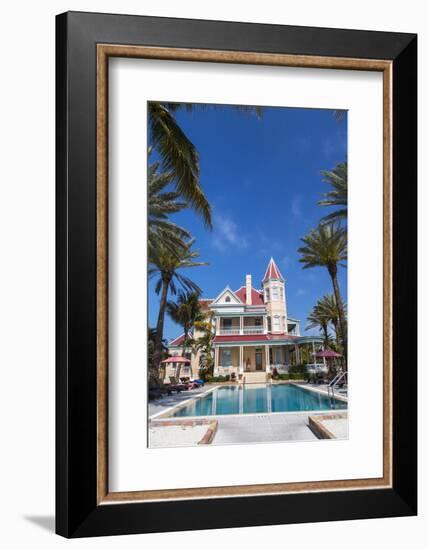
[{"x": 341, "y": 376}]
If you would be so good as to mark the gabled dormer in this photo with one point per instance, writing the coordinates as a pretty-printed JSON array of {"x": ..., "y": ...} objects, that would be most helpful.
[{"x": 226, "y": 297}]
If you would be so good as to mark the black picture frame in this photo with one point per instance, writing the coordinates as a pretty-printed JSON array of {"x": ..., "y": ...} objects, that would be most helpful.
[{"x": 77, "y": 512}]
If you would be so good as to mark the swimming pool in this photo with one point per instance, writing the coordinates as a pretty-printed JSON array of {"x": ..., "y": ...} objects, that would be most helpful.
[{"x": 264, "y": 398}]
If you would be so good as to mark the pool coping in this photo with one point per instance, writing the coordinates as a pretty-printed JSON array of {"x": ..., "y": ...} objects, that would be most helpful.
[{"x": 320, "y": 391}]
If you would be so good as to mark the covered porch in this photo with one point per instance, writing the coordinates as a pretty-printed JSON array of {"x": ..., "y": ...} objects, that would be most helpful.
[{"x": 240, "y": 359}]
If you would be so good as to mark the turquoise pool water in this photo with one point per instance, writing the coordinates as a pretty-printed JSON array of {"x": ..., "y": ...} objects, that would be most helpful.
[{"x": 259, "y": 399}]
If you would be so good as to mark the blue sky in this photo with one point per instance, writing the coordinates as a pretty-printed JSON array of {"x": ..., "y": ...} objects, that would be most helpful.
[{"x": 262, "y": 178}]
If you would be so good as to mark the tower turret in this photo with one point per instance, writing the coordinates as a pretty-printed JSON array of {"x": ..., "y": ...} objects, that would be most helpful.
[{"x": 274, "y": 297}]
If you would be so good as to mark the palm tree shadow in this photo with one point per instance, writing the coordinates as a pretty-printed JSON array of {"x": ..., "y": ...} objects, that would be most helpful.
[{"x": 45, "y": 522}]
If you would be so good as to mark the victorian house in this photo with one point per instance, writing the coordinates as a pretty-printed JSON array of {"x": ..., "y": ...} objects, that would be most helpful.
[{"x": 254, "y": 333}]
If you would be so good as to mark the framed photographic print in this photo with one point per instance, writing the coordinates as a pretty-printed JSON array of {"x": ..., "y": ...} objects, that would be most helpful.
[{"x": 236, "y": 338}]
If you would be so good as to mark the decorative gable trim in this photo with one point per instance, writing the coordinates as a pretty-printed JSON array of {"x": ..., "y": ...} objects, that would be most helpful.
[{"x": 229, "y": 291}]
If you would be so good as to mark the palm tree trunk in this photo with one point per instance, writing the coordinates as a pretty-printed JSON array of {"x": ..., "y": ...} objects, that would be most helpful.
[
  {"x": 336, "y": 329},
  {"x": 166, "y": 279},
  {"x": 342, "y": 322},
  {"x": 177, "y": 374},
  {"x": 325, "y": 331}
]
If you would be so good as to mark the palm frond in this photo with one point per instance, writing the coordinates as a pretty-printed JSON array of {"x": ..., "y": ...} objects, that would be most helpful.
[{"x": 179, "y": 156}]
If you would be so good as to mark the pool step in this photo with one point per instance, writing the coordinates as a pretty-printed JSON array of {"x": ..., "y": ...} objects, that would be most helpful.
[{"x": 258, "y": 377}]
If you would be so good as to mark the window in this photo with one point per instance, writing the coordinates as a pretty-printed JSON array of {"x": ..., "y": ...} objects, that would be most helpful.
[
  {"x": 267, "y": 295},
  {"x": 284, "y": 324},
  {"x": 281, "y": 292},
  {"x": 274, "y": 293},
  {"x": 227, "y": 300},
  {"x": 276, "y": 323},
  {"x": 269, "y": 323},
  {"x": 258, "y": 322},
  {"x": 227, "y": 323},
  {"x": 226, "y": 358}
]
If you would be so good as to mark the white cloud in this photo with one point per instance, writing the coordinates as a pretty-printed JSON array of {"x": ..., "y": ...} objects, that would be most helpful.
[
  {"x": 301, "y": 291},
  {"x": 296, "y": 208},
  {"x": 227, "y": 234}
]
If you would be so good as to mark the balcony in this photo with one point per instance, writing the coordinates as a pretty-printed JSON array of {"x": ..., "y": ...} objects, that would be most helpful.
[
  {"x": 253, "y": 330},
  {"x": 229, "y": 331},
  {"x": 240, "y": 326},
  {"x": 237, "y": 331}
]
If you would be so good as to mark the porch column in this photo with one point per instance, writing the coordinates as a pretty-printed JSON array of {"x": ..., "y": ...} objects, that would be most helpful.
[
  {"x": 216, "y": 358},
  {"x": 296, "y": 348},
  {"x": 241, "y": 359},
  {"x": 286, "y": 356},
  {"x": 241, "y": 325},
  {"x": 313, "y": 352},
  {"x": 265, "y": 324},
  {"x": 217, "y": 325},
  {"x": 267, "y": 358}
]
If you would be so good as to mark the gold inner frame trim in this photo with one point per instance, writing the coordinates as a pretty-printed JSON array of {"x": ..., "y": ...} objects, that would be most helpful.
[{"x": 104, "y": 51}]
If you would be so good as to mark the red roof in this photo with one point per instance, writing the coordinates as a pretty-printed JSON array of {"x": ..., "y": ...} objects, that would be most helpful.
[
  {"x": 256, "y": 296},
  {"x": 254, "y": 338},
  {"x": 177, "y": 341},
  {"x": 272, "y": 271}
]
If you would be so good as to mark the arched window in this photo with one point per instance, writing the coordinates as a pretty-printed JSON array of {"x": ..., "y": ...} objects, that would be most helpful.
[
  {"x": 227, "y": 299},
  {"x": 276, "y": 323},
  {"x": 267, "y": 294},
  {"x": 274, "y": 293}
]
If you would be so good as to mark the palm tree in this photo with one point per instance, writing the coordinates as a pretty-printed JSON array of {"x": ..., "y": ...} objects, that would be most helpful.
[
  {"x": 169, "y": 267},
  {"x": 185, "y": 311},
  {"x": 326, "y": 246},
  {"x": 162, "y": 232},
  {"x": 178, "y": 154},
  {"x": 338, "y": 196},
  {"x": 204, "y": 343},
  {"x": 179, "y": 157},
  {"x": 317, "y": 319},
  {"x": 328, "y": 308},
  {"x": 153, "y": 372}
]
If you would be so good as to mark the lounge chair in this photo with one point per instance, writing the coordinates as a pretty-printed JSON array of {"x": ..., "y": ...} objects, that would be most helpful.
[{"x": 177, "y": 386}]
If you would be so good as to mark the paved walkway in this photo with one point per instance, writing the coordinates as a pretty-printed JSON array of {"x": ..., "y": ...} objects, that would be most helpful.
[{"x": 262, "y": 428}]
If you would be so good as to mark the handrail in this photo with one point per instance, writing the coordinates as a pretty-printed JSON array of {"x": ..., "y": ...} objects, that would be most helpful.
[{"x": 335, "y": 382}]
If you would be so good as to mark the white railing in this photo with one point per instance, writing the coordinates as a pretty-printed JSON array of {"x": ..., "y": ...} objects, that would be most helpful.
[
  {"x": 254, "y": 330},
  {"x": 229, "y": 331},
  {"x": 245, "y": 330}
]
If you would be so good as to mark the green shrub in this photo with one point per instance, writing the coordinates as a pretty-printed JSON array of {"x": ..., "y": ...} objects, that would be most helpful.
[
  {"x": 297, "y": 369},
  {"x": 297, "y": 376},
  {"x": 280, "y": 377},
  {"x": 219, "y": 378}
]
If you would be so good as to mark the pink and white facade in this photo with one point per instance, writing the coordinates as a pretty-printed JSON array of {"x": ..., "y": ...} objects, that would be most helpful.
[{"x": 253, "y": 331}]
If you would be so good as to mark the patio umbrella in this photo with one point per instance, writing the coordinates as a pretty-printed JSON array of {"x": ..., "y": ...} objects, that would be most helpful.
[
  {"x": 328, "y": 353},
  {"x": 176, "y": 359}
]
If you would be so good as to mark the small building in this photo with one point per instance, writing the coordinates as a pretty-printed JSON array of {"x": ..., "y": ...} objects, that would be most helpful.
[{"x": 254, "y": 334}]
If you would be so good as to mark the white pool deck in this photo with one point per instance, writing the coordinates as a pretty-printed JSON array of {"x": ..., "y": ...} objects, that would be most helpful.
[{"x": 242, "y": 428}]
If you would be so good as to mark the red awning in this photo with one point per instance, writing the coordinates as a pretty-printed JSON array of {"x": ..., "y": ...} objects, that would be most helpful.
[
  {"x": 327, "y": 353},
  {"x": 176, "y": 359}
]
